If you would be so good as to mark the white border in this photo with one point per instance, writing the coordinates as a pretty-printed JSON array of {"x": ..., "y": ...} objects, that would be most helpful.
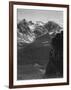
[{"x": 42, "y": 81}]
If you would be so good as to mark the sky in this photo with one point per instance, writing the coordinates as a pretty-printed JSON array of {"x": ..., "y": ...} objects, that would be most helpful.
[{"x": 40, "y": 15}]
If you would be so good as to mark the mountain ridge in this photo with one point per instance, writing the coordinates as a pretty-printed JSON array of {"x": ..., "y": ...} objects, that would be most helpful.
[{"x": 29, "y": 32}]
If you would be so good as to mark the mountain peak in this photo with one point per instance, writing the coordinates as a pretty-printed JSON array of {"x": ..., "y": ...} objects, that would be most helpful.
[{"x": 40, "y": 23}]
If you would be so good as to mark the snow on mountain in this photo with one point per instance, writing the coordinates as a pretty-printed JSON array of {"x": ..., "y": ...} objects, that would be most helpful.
[
  {"x": 32, "y": 27},
  {"x": 28, "y": 32},
  {"x": 39, "y": 23}
]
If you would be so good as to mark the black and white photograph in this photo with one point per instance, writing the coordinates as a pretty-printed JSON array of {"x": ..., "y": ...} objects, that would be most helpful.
[{"x": 39, "y": 44}]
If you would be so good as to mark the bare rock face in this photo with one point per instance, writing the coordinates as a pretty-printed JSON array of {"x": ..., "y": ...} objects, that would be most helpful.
[{"x": 52, "y": 26}]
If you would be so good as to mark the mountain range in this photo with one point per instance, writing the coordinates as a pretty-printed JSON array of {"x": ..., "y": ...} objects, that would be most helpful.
[{"x": 37, "y": 34}]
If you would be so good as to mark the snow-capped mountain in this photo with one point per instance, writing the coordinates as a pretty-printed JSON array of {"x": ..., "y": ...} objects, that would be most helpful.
[{"x": 29, "y": 32}]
